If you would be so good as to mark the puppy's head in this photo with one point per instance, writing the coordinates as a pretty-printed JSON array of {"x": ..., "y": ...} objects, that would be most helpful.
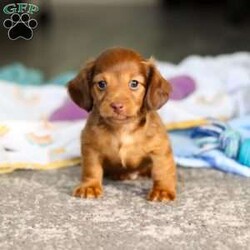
[{"x": 119, "y": 84}]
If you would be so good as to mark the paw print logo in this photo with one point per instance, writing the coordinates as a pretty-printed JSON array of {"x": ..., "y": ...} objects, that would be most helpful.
[{"x": 20, "y": 26}]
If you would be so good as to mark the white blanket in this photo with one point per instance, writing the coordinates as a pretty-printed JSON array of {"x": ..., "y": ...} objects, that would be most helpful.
[{"x": 28, "y": 140}]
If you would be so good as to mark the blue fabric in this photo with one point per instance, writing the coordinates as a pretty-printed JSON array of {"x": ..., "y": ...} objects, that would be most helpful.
[
  {"x": 63, "y": 79},
  {"x": 226, "y": 139},
  {"x": 187, "y": 152},
  {"x": 22, "y": 75},
  {"x": 18, "y": 73},
  {"x": 244, "y": 154}
]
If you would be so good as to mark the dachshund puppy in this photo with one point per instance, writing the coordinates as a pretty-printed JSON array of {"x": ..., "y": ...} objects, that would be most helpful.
[{"x": 124, "y": 136}]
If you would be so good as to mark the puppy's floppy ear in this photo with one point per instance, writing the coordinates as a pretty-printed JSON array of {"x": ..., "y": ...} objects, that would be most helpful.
[
  {"x": 79, "y": 87},
  {"x": 158, "y": 88}
]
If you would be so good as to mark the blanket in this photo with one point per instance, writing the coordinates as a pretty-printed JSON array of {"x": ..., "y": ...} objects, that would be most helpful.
[{"x": 38, "y": 130}]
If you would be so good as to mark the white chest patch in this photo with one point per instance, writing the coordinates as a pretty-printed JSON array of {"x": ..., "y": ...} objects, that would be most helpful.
[
  {"x": 126, "y": 139},
  {"x": 127, "y": 142}
]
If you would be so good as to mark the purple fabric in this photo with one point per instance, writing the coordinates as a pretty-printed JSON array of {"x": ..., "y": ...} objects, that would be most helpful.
[
  {"x": 182, "y": 86},
  {"x": 69, "y": 111}
]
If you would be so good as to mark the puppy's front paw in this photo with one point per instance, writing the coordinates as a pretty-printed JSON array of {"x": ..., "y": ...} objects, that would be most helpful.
[
  {"x": 160, "y": 194},
  {"x": 87, "y": 191}
]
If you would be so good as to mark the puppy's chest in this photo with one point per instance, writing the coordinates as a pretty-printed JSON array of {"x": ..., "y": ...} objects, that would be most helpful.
[{"x": 126, "y": 149}]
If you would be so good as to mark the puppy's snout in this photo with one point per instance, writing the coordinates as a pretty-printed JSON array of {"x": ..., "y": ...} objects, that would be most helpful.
[{"x": 117, "y": 107}]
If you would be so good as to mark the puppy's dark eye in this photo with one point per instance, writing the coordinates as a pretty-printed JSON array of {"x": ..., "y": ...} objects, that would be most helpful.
[
  {"x": 134, "y": 84},
  {"x": 102, "y": 85}
]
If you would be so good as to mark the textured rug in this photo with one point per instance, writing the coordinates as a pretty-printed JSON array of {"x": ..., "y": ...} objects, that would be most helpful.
[{"x": 37, "y": 212}]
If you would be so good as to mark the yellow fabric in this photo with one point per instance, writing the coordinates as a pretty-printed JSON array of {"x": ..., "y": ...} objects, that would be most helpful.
[
  {"x": 7, "y": 168},
  {"x": 10, "y": 167},
  {"x": 185, "y": 124}
]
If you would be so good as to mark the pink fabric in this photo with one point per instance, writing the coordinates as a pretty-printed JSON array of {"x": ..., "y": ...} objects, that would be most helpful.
[
  {"x": 182, "y": 86},
  {"x": 68, "y": 112}
]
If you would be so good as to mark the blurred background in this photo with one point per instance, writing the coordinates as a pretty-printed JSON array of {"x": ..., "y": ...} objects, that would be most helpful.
[
  {"x": 40, "y": 126},
  {"x": 71, "y": 32}
]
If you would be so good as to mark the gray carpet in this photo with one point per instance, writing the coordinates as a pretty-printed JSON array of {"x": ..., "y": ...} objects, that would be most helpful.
[{"x": 37, "y": 212}]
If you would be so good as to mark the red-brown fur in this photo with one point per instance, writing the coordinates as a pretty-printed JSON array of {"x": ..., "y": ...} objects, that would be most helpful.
[{"x": 129, "y": 140}]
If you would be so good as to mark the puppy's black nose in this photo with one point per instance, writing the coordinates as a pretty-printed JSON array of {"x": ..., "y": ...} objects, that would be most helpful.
[{"x": 117, "y": 107}]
